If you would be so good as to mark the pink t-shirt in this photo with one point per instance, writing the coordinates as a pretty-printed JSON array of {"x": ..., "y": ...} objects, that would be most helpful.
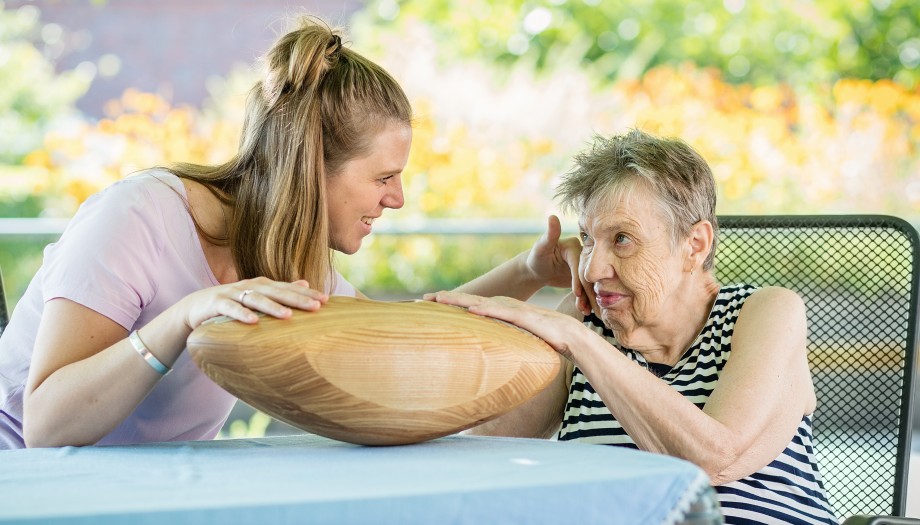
[{"x": 130, "y": 252}]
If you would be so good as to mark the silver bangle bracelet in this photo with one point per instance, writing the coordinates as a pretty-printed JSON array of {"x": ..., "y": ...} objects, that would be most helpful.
[{"x": 144, "y": 352}]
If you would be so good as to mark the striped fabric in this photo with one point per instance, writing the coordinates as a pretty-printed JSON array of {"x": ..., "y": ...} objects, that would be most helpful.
[{"x": 788, "y": 490}]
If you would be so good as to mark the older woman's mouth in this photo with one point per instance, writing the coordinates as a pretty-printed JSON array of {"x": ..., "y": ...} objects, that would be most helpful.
[{"x": 608, "y": 299}]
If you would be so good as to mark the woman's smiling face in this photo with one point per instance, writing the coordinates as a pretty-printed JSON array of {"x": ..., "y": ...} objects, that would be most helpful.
[{"x": 365, "y": 186}]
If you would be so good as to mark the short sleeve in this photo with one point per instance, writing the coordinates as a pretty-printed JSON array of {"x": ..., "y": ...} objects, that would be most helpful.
[
  {"x": 341, "y": 286},
  {"x": 106, "y": 256}
]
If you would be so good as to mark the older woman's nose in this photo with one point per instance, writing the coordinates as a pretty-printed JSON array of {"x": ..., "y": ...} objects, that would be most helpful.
[{"x": 598, "y": 266}]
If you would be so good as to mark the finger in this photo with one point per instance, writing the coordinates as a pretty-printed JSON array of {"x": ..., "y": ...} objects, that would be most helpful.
[
  {"x": 277, "y": 298},
  {"x": 233, "y": 309},
  {"x": 456, "y": 298},
  {"x": 294, "y": 295},
  {"x": 582, "y": 302},
  {"x": 553, "y": 229},
  {"x": 257, "y": 301},
  {"x": 579, "y": 294},
  {"x": 585, "y": 301},
  {"x": 303, "y": 288},
  {"x": 584, "y": 306},
  {"x": 520, "y": 314}
]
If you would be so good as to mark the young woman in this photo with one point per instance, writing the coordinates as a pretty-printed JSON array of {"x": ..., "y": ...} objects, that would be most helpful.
[{"x": 94, "y": 353}]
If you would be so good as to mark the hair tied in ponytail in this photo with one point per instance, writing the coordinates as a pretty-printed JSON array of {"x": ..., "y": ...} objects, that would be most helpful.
[{"x": 336, "y": 44}]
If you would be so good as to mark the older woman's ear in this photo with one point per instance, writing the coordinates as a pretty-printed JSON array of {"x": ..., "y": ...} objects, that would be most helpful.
[{"x": 700, "y": 244}]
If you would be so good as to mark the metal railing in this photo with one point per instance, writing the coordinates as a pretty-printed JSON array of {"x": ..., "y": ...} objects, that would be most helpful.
[{"x": 54, "y": 227}]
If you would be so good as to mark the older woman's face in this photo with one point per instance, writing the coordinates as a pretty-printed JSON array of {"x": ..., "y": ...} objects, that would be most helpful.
[{"x": 629, "y": 261}]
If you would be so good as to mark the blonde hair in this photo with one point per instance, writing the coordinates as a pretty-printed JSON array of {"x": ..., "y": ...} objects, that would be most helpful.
[
  {"x": 677, "y": 175},
  {"x": 317, "y": 106}
]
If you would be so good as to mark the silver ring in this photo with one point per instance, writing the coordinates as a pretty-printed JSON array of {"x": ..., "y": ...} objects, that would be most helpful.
[{"x": 243, "y": 296}]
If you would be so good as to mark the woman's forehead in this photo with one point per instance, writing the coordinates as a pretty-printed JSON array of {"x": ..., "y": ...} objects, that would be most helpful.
[{"x": 634, "y": 202}]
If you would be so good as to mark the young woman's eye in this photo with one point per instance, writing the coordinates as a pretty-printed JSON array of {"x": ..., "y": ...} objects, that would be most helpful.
[{"x": 385, "y": 180}]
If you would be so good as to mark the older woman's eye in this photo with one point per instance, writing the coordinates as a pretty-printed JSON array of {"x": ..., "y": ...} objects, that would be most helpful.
[
  {"x": 622, "y": 239},
  {"x": 585, "y": 239}
]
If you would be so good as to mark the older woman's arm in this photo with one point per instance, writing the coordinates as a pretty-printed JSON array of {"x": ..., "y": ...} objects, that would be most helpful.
[
  {"x": 764, "y": 391},
  {"x": 540, "y": 416},
  {"x": 551, "y": 261}
]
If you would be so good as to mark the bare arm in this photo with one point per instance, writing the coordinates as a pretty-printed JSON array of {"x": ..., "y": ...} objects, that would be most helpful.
[
  {"x": 540, "y": 416},
  {"x": 763, "y": 392},
  {"x": 511, "y": 278},
  {"x": 551, "y": 261},
  {"x": 85, "y": 377}
]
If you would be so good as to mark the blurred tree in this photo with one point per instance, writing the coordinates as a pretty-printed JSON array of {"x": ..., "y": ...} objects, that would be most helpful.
[
  {"x": 883, "y": 40},
  {"x": 792, "y": 41},
  {"x": 32, "y": 94},
  {"x": 33, "y": 98}
]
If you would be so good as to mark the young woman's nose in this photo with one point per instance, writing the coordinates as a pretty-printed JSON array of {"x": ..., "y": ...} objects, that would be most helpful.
[{"x": 394, "y": 197}]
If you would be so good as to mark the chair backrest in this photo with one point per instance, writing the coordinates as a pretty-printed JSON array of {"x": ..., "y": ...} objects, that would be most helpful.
[{"x": 858, "y": 276}]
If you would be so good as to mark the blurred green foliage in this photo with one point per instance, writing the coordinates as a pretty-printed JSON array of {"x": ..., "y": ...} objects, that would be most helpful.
[
  {"x": 20, "y": 257},
  {"x": 795, "y": 41},
  {"x": 33, "y": 96},
  {"x": 503, "y": 98},
  {"x": 415, "y": 264},
  {"x": 33, "y": 99},
  {"x": 505, "y": 92}
]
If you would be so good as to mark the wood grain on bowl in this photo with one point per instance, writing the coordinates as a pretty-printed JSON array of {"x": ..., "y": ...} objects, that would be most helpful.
[{"x": 376, "y": 373}]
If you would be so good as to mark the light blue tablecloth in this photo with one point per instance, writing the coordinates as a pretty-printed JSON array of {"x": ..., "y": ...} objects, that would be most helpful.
[{"x": 309, "y": 479}]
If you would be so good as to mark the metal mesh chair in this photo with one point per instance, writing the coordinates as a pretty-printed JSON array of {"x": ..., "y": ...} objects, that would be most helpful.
[{"x": 858, "y": 276}]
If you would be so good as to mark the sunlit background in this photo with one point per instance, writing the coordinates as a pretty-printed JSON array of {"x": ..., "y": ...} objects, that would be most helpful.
[{"x": 800, "y": 106}]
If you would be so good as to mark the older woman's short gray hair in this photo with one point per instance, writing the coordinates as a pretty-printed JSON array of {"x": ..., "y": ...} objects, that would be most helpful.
[{"x": 677, "y": 175}]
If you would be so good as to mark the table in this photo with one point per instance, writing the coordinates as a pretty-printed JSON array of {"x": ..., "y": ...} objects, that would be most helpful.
[{"x": 309, "y": 479}]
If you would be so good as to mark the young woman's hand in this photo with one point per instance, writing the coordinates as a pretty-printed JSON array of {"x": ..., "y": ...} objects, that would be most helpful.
[{"x": 243, "y": 301}]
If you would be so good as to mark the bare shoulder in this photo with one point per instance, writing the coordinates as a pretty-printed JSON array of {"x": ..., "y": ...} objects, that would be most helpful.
[
  {"x": 772, "y": 313},
  {"x": 774, "y": 301}
]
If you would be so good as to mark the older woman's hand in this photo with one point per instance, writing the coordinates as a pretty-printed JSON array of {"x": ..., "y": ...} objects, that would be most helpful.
[
  {"x": 554, "y": 261},
  {"x": 557, "y": 329}
]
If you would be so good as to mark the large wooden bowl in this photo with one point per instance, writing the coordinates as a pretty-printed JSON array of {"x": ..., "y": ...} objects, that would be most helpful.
[{"x": 376, "y": 373}]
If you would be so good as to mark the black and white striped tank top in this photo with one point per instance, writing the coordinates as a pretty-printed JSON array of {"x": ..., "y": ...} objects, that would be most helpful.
[{"x": 788, "y": 490}]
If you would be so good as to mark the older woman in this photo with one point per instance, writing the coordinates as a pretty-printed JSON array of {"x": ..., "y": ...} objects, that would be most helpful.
[{"x": 667, "y": 359}]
